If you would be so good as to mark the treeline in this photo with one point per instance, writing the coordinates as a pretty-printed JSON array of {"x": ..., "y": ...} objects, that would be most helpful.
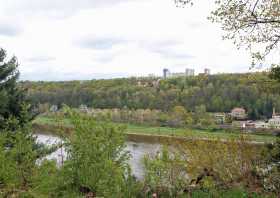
[
  {"x": 256, "y": 92},
  {"x": 177, "y": 117}
]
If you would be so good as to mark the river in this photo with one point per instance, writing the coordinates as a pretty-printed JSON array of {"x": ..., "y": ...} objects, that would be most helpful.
[{"x": 137, "y": 150}]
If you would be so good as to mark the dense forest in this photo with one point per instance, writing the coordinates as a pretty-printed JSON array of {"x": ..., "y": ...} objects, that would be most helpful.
[{"x": 219, "y": 93}]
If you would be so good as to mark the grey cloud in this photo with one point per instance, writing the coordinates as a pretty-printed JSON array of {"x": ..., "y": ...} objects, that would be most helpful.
[
  {"x": 56, "y": 8},
  {"x": 104, "y": 59},
  {"x": 99, "y": 43},
  {"x": 41, "y": 59},
  {"x": 167, "y": 49},
  {"x": 51, "y": 75},
  {"x": 154, "y": 45},
  {"x": 173, "y": 54},
  {"x": 9, "y": 30}
]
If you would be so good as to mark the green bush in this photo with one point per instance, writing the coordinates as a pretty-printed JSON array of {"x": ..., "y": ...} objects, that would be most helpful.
[
  {"x": 97, "y": 162},
  {"x": 165, "y": 174}
]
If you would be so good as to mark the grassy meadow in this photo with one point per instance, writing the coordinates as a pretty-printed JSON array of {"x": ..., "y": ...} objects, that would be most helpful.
[{"x": 166, "y": 131}]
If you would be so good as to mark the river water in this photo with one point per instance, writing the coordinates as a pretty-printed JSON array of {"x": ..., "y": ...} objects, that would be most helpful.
[{"x": 137, "y": 150}]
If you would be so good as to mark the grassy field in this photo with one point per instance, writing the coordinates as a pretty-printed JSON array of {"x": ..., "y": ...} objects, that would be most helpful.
[{"x": 167, "y": 131}]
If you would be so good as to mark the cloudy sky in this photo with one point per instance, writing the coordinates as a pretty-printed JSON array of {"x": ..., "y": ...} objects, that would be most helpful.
[{"x": 87, "y": 39}]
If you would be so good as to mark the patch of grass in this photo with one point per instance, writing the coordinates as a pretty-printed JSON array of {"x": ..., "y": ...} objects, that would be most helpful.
[
  {"x": 195, "y": 133},
  {"x": 52, "y": 121},
  {"x": 167, "y": 131}
]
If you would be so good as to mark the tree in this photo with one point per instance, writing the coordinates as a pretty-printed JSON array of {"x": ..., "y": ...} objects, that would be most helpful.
[
  {"x": 18, "y": 162},
  {"x": 226, "y": 162},
  {"x": 97, "y": 163},
  {"x": 12, "y": 97},
  {"x": 253, "y": 24},
  {"x": 165, "y": 173},
  {"x": 275, "y": 72},
  {"x": 180, "y": 117},
  {"x": 18, "y": 148}
]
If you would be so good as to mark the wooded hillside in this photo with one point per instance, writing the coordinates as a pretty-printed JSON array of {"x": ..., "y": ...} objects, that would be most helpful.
[{"x": 219, "y": 93}]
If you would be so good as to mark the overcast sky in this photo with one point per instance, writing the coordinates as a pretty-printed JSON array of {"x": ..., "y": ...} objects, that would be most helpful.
[{"x": 87, "y": 39}]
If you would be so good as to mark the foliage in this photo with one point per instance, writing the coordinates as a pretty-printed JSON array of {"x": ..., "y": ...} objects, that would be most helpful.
[
  {"x": 165, "y": 174},
  {"x": 229, "y": 193},
  {"x": 228, "y": 171},
  {"x": 273, "y": 153},
  {"x": 51, "y": 124},
  {"x": 253, "y": 23},
  {"x": 218, "y": 93},
  {"x": 12, "y": 97},
  {"x": 229, "y": 161},
  {"x": 269, "y": 171},
  {"x": 17, "y": 161},
  {"x": 275, "y": 72},
  {"x": 97, "y": 161}
]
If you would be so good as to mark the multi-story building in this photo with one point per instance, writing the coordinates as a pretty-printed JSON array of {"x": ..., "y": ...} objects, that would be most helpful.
[
  {"x": 189, "y": 72},
  {"x": 178, "y": 74},
  {"x": 166, "y": 73},
  {"x": 207, "y": 71}
]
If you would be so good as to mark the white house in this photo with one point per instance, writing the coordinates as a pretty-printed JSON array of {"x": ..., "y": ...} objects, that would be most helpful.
[
  {"x": 54, "y": 108},
  {"x": 261, "y": 125},
  {"x": 83, "y": 108},
  {"x": 274, "y": 122},
  {"x": 238, "y": 113}
]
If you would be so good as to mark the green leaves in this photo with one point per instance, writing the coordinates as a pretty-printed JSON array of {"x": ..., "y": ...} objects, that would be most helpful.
[
  {"x": 275, "y": 72},
  {"x": 12, "y": 98},
  {"x": 97, "y": 159},
  {"x": 17, "y": 159},
  {"x": 165, "y": 173},
  {"x": 253, "y": 24}
]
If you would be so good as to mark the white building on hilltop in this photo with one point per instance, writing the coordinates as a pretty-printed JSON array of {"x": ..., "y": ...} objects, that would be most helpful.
[
  {"x": 167, "y": 74},
  {"x": 274, "y": 122},
  {"x": 207, "y": 71},
  {"x": 189, "y": 72}
]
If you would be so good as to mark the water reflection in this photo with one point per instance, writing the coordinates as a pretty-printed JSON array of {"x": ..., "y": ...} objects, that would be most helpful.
[{"x": 136, "y": 149}]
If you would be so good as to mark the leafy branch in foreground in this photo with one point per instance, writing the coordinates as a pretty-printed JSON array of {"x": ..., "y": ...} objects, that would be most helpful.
[{"x": 253, "y": 24}]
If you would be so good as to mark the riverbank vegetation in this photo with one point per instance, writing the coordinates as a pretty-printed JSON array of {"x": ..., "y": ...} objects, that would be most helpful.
[
  {"x": 51, "y": 123},
  {"x": 97, "y": 165}
]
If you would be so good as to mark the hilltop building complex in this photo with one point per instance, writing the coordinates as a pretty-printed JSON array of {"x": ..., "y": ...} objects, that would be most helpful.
[{"x": 188, "y": 72}]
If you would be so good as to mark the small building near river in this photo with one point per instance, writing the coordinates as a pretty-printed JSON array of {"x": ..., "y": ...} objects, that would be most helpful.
[
  {"x": 274, "y": 122},
  {"x": 238, "y": 113}
]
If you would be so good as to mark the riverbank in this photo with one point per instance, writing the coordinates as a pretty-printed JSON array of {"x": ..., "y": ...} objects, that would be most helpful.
[{"x": 136, "y": 132}]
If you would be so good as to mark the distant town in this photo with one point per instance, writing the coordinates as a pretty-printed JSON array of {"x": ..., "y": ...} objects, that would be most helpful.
[
  {"x": 239, "y": 120},
  {"x": 188, "y": 72}
]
